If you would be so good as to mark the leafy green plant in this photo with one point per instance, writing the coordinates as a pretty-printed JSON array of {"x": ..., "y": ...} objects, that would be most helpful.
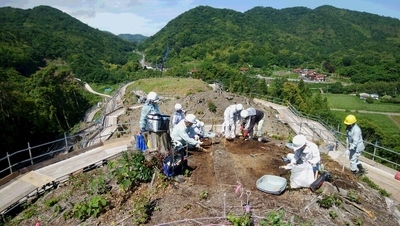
[
  {"x": 187, "y": 173},
  {"x": 93, "y": 207},
  {"x": 354, "y": 196},
  {"x": 333, "y": 214},
  {"x": 212, "y": 107},
  {"x": 98, "y": 185},
  {"x": 142, "y": 211},
  {"x": 274, "y": 218},
  {"x": 241, "y": 220},
  {"x": 131, "y": 170},
  {"x": 30, "y": 212},
  {"x": 203, "y": 195},
  {"x": 51, "y": 202},
  {"x": 357, "y": 221},
  {"x": 328, "y": 201},
  {"x": 57, "y": 209}
]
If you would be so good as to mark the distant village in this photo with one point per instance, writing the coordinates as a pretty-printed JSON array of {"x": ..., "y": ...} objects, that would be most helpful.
[{"x": 310, "y": 75}]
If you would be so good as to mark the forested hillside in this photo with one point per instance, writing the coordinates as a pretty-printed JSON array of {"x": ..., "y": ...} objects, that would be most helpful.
[
  {"x": 359, "y": 45},
  {"x": 42, "y": 51}
]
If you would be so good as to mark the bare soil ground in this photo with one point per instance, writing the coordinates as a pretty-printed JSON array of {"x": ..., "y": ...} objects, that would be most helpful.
[{"x": 209, "y": 195}]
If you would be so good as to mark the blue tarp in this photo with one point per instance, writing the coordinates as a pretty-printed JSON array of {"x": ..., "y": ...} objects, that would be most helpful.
[{"x": 140, "y": 143}]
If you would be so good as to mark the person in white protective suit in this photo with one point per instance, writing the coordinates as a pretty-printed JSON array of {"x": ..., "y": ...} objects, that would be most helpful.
[
  {"x": 304, "y": 152},
  {"x": 355, "y": 145},
  {"x": 251, "y": 117},
  {"x": 180, "y": 133},
  {"x": 179, "y": 114},
  {"x": 149, "y": 107},
  {"x": 231, "y": 118},
  {"x": 198, "y": 128}
]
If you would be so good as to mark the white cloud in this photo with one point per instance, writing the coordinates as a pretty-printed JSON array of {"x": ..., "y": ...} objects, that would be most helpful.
[{"x": 122, "y": 23}]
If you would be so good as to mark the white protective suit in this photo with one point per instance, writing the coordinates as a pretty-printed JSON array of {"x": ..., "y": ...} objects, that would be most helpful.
[
  {"x": 310, "y": 155},
  {"x": 231, "y": 117}
]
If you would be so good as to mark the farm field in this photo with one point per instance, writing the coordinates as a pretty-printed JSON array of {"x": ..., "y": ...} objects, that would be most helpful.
[
  {"x": 349, "y": 102},
  {"x": 352, "y": 103}
]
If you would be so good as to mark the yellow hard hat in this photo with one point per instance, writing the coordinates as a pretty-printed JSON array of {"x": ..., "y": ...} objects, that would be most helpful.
[{"x": 350, "y": 119}]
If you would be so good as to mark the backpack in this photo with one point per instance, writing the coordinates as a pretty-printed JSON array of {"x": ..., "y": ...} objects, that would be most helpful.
[{"x": 174, "y": 164}]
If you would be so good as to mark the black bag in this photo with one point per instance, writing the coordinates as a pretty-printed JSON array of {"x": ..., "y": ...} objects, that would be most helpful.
[
  {"x": 174, "y": 164},
  {"x": 325, "y": 176}
]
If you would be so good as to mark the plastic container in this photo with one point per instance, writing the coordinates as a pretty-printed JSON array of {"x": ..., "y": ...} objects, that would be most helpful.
[
  {"x": 271, "y": 184},
  {"x": 157, "y": 122}
]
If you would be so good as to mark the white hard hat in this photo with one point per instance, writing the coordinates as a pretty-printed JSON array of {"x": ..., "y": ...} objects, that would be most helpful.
[
  {"x": 239, "y": 107},
  {"x": 190, "y": 118},
  {"x": 152, "y": 96},
  {"x": 244, "y": 113},
  {"x": 178, "y": 107},
  {"x": 298, "y": 142}
]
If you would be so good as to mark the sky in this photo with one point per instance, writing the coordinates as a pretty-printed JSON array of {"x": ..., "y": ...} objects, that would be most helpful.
[{"x": 147, "y": 17}]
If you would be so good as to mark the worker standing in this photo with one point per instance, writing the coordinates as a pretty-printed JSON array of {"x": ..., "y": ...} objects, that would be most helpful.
[
  {"x": 251, "y": 117},
  {"x": 149, "y": 107},
  {"x": 231, "y": 117},
  {"x": 179, "y": 114},
  {"x": 355, "y": 144}
]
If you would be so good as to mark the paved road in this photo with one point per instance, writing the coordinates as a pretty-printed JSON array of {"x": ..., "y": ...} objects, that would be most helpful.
[{"x": 88, "y": 88}]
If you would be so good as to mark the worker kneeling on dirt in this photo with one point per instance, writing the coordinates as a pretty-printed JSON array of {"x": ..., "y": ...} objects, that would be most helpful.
[
  {"x": 251, "y": 117},
  {"x": 180, "y": 133},
  {"x": 304, "y": 152}
]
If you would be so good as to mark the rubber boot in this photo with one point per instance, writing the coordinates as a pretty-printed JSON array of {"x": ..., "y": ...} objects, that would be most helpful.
[{"x": 361, "y": 169}]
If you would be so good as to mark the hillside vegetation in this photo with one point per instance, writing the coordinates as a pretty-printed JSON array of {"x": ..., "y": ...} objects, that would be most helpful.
[{"x": 359, "y": 45}]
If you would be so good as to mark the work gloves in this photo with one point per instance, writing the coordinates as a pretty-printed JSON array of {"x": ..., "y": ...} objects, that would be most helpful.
[
  {"x": 196, "y": 137},
  {"x": 245, "y": 133},
  {"x": 347, "y": 152},
  {"x": 198, "y": 144}
]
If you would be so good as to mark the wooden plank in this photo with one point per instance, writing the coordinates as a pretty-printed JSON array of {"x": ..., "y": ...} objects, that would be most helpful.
[
  {"x": 14, "y": 192},
  {"x": 36, "y": 179},
  {"x": 19, "y": 189}
]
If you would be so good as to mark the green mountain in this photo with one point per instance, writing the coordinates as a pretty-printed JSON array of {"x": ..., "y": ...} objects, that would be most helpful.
[
  {"x": 133, "y": 38},
  {"x": 359, "y": 45},
  {"x": 42, "y": 51},
  {"x": 45, "y": 33}
]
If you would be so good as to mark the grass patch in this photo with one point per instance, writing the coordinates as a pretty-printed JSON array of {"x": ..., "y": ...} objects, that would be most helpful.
[
  {"x": 349, "y": 102},
  {"x": 170, "y": 86},
  {"x": 104, "y": 88},
  {"x": 383, "y": 121}
]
